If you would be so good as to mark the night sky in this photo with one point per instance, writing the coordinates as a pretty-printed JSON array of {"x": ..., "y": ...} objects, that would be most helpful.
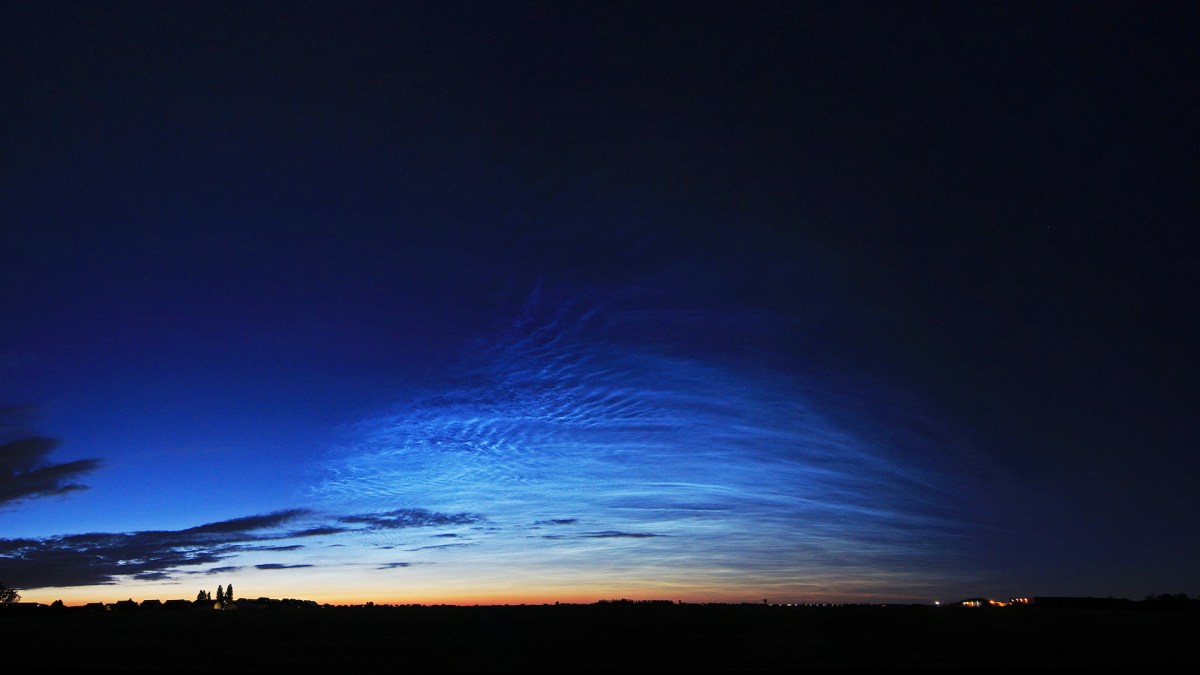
[{"x": 536, "y": 301}]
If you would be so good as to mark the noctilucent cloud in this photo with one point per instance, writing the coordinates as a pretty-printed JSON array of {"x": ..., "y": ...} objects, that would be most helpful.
[
  {"x": 569, "y": 454},
  {"x": 536, "y": 302},
  {"x": 595, "y": 458}
]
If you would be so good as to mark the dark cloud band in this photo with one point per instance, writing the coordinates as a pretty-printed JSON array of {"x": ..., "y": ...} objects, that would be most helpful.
[
  {"x": 100, "y": 558},
  {"x": 25, "y": 472}
]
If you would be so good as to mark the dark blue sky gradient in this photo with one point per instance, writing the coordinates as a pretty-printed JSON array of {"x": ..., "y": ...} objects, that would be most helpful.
[{"x": 706, "y": 300}]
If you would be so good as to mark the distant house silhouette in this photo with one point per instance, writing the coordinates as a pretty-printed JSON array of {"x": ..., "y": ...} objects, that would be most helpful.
[
  {"x": 151, "y": 604},
  {"x": 25, "y": 607},
  {"x": 258, "y": 604}
]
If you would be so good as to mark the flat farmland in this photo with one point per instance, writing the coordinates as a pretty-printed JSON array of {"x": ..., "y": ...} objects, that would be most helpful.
[{"x": 594, "y": 637}]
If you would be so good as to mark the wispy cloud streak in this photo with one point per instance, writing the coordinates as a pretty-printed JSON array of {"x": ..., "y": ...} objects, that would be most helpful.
[
  {"x": 99, "y": 558},
  {"x": 743, "y": 472},
  {"x": 26, "y": 471},
  {"x": 405, "y": 518}
]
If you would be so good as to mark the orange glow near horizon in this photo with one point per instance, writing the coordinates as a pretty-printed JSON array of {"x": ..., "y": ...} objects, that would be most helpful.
[
  {"x": 465, "y": 596},
  {"x": 461, "y": 596}
]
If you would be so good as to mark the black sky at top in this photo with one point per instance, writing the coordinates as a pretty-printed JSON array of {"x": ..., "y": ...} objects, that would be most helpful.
[{"x": 1002, "y": 193}]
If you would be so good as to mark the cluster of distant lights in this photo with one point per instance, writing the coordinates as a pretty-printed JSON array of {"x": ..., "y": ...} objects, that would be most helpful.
[
  {"x": 810, "y": 604},
  {"x": 982, "y": 602}
]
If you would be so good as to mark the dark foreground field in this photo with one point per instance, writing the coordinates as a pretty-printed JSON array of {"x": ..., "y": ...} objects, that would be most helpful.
[{"x": 596, "y": 637}]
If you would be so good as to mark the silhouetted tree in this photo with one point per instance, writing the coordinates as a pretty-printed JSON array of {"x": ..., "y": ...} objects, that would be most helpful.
[
  {"x": 8, "y": 596},
  {"x": 202, "y": 596},
  {"x": 1179, "y": 601},
  {"x": 229, "y": 593},
  {"x": 220, "y": 594}
]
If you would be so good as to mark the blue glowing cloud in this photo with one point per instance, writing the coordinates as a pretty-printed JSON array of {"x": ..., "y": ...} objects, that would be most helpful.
[{"x": 658, "y": 465}]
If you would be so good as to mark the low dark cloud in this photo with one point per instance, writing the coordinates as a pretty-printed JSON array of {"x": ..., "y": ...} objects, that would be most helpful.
[
  {"x": 607, "y": 534},
  {"x": 401, "y": 518},
  {"x": 613, "y": 534},
  {"x": 426, "y": 548},
  {"x": 393, "y": 565},
  {"x": 448, "y": 535},
  {"x": 26, "y": 473},
  {"x": 100, "y": 557},
  {"x": 248, "y": 523},
  {"x": 557, "y": 521},
  {"x": 224, "y": 570},
  {"x": 152, "y": 576},
  {"x": 317, "y": 531}
]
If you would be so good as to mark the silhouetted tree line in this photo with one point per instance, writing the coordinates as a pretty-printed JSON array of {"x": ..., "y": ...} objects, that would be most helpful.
[
  {"x": 626, "y": 601},
  {"x": 224, "y": 595},
  {"x": 1179, "y": 602}
]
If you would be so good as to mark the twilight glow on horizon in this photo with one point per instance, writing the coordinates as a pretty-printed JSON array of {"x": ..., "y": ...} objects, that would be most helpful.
[{"x": 533, "y": 302}]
